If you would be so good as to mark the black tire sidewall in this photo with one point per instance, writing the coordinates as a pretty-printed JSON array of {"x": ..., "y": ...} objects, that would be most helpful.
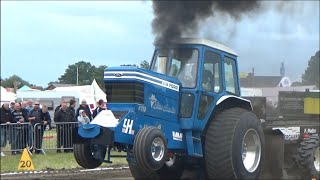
[
  {"x": 84, "y": 157},
  {"x": 142, "y": 148},
  {"x": 313, "y": 170},
  {"x": 306, "y": 157},
  {"x": 153, "y": 164},
  {"x": 247, "y": 121}
]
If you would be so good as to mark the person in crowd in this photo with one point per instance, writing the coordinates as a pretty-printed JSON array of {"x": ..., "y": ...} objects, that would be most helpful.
[
  {"x": 34, "y": 115},
  {"x": 27, "y": 133},
  {"x": 61, "y": 117},
  {"x": 45, "y": 116},
  {"x": 71, "y": 117},
  {"x": 12, "y": 106},
  {"x": 30, "y": 105},
  {"x": 44, "y": 120},
  {"x": 101, "y": 107},
  {"x": 83, "y": 118},
  {"x": 71, "y": 111},
  {"x": 58, "y": 126},
  {"x": 59, "y": 107},
  {"x": 6, "y": 118},
  {"x": 86, "y": 108},
  {"x": 23, "y": 109},
  {"x": 35, "y": 120},
  {"x": 17, "y": 130}
]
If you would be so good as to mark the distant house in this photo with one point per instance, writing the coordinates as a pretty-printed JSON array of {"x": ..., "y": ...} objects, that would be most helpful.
[
  {"x": 37, "y": 88},
  {"x": 52, "y": 86},
  {"x": 252, "y": 81}
]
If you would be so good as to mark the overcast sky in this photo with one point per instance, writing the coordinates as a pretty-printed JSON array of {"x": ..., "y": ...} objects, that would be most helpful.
[{"x": 40, "y": 39}]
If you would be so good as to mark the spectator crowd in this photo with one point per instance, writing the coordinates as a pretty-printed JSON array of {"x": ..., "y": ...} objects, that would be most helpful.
[{"x": 23, "y": 124}]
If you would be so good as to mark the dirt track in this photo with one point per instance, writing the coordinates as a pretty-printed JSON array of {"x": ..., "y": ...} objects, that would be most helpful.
[
  {"x": 113, "y": 173},
  {"x": 96, "y": 174}
]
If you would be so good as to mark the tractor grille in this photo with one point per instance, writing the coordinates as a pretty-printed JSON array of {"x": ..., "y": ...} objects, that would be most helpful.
[
  {"x": 125, "y": 92},
  {"x": 119, "y": 114}
]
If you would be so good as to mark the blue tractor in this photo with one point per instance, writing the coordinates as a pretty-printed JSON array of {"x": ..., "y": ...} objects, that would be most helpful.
[{"x": 184, "y": 112}]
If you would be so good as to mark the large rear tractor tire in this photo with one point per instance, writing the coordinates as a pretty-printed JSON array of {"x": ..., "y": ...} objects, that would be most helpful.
[
  {"x": 234, "y": 145},
  {"x": 309, "y": 157},
  {"x": 150, "y": 148},
  {"x": 141, "y": 174},
  {"x": 172, "y": 168},
  {"x": 84, "y": 156}
]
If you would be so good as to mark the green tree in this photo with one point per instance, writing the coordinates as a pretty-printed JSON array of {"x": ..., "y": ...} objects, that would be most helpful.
[
  {"x": 8, "y": 82},
  {"x": 311, "y": 74},
  {"x": 98, "y": 75},
  {"x": 144, "y": 64},
  {"x": 85, "y": 73}
]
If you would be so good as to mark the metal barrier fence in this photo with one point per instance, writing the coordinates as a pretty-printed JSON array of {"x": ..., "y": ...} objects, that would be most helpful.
[
  {"x": 15, "y": 137},
  {"x": 58, "y": 139}
]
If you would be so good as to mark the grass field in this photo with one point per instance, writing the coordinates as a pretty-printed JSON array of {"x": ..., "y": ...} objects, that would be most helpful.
[{"x": 51, "y": 161}]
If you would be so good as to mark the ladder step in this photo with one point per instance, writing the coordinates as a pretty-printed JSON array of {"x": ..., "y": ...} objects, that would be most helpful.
[
  {"x": 197, "y": 155},
  {"x": 196, "y": 139}
]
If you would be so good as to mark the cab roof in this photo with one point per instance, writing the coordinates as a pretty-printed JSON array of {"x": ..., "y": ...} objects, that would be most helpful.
[{"x": 207, "y": 43}]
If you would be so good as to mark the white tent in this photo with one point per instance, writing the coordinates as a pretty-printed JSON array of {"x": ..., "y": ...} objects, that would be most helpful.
[
  {"x": 97, "y": 91},
  {"x": 93, "y": 89},
  {"x": 7, "y": 96}
]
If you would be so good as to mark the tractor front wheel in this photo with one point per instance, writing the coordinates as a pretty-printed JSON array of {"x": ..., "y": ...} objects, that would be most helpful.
[{"x": 150, "y": 148}]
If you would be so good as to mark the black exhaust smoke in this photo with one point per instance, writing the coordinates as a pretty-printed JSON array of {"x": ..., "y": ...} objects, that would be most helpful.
[{"x": 173, "y": 19}]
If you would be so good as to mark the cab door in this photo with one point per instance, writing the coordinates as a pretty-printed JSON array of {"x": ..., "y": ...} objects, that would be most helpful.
[{"x": 210, "y": 86}]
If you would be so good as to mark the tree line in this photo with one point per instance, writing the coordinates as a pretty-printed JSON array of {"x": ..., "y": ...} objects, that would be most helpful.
[{"x": 88, "y": 72}]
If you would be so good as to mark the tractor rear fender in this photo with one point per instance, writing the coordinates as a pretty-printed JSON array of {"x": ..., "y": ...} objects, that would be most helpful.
[
  {"x": 230, "y": 101},
  {"x": 227, "y": 102}
]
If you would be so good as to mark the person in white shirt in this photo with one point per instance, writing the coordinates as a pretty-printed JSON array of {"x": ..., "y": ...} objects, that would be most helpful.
[{"x": 83, "y": 118}]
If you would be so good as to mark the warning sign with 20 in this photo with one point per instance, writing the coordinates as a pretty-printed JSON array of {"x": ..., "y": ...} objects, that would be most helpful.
[{"x": 25, "y": 163}]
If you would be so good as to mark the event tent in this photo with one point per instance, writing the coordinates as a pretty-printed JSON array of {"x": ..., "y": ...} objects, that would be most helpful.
[
  {"x": 93, "y": 89},
  {"x": 7, "y": 96}
]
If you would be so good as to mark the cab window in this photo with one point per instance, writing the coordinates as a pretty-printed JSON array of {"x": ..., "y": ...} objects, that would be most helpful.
[
  {"x": 211, "y": 80},
  {"x": 180, "y": 63},
  {"x": 230, "y": 76}
]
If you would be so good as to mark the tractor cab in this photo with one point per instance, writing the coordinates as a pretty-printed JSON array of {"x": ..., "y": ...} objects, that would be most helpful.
[{"x": 207, "y": 71}]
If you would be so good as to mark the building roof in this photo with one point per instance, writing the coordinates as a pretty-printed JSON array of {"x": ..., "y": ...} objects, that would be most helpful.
[
  {"x": 37, "y": 87},
  {"x": 207, "y": 43},
  {"x": 260, "y": 81},
  {"x": 55, "y": 85}
]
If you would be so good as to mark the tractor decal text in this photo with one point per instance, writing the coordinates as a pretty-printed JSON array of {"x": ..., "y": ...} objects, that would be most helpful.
[
  {"x": 127, "y": 126},
  {"x": 154, "y": 103},
  {"x": 142, "y": 108},
  {"x": 310, "y": 130},
  {"x": 142, "y": 77},
  {"x": 177, "y": 136}
]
